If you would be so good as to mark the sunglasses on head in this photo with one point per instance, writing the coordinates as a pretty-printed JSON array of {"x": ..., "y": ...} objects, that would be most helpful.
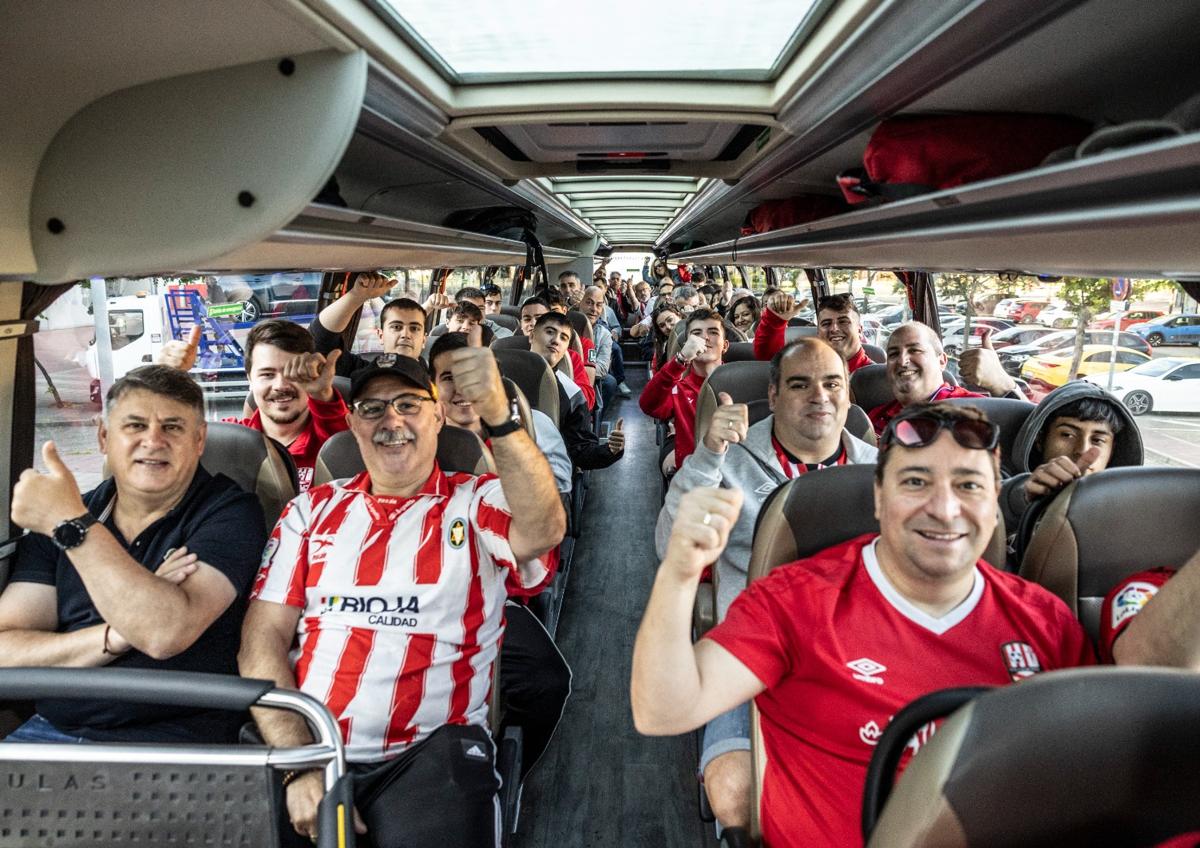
[{"x": 921, "y": 431}]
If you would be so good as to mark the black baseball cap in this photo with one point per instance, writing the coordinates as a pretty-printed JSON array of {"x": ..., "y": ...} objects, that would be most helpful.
[{"x": 404, "y": 367}]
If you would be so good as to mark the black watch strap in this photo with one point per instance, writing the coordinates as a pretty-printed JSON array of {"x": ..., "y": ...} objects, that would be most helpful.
[{"x": 502, "y": 429}]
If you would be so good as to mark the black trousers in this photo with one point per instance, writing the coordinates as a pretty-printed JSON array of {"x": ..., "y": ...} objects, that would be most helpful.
[{"x": 535, "y": 682}]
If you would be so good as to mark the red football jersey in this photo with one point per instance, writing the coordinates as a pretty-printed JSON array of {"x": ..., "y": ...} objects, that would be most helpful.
[
  {"x": 841, "y": 651},
  {"x": 1124, "y": 602}
]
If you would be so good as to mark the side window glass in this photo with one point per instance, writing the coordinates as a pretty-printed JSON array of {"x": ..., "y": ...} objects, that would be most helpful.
[{"x": 1187, "y": 372}]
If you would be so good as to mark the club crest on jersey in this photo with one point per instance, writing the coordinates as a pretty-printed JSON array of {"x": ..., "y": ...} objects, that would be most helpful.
[
  {"x": 867, "y": 670},
  {"x": 457, "y": 534},
  {"x": 1020, "y": 660},
  {"x": 1130, "y": 600}
]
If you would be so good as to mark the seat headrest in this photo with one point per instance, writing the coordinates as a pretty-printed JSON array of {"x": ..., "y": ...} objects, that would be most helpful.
[
  {"x": 871, "y": 388},
  {"x": 1009, "y": 414},
  {"x": 254, "y": 462},
  {"x": 799, "y": 331},
  {"x": 458, "y": 450},
  {"x": 513, "y": 342},
  {"x": 511, "y": 309},
  {"x": 506, "y": 321},
  {"x": 520, "y": 407},
  {"x": 973, "y": 784},
  {"x": 1104, "y": 527},
  {"x": 875, "y": 352},
  {"x": 580, "y": 323},
  {"x": 742, "y": 381},
  {"x": 532, "y": 376},
  {"x": 858, "y": 424},
  {"x": 739, "y": 352}
]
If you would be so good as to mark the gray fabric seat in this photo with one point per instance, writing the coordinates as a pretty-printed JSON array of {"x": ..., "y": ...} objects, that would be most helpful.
[
  {"x": 1009, "y": 414},
  {"x": 1063, "y": 759},
  {"x": 739, "y": 352},
  {"x": 508, "y": 322},
  {"x": 255, "y": 462},
  {"x": 876, "y": 353},
  {"x": 1109, "y": 525},
  {"x": 532, "y": 376}
]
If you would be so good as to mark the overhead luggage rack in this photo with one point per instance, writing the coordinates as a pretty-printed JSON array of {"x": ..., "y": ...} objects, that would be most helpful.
[
  {"x": 335, "y": 239},
  {"x": 1125, "y": 212}
]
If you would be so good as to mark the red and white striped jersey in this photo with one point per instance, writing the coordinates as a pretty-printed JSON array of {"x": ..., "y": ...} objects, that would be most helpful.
[{"x": 403, "y": 603}]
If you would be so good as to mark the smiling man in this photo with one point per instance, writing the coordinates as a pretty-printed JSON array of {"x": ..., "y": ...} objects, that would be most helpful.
[
  {"x": 439, "y": 554},
  {"x": 832, "y": 646},
  {"x": 809, "y": 398},
  {"x": 915, "y": 360},
  {"x": 148, "y": 571}
]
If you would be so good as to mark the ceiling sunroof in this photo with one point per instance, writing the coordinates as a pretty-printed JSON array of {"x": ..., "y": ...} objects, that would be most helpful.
[{"x": 485, "y": 41}]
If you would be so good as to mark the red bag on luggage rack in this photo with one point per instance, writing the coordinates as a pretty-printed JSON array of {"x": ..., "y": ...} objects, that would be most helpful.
[
  {"x": 917, "y": 154},
  {"x": 788, "y": 212}
]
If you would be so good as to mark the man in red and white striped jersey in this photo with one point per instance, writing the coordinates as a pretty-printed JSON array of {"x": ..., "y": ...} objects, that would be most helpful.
[{"x": 392, "y": 587}]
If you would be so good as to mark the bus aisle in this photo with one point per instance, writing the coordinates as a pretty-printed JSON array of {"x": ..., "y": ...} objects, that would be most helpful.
[{"x": 601, "y": 783}]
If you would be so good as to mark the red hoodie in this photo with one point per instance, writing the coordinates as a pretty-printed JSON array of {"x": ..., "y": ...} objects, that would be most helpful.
[{"x": 671, "y": 395}]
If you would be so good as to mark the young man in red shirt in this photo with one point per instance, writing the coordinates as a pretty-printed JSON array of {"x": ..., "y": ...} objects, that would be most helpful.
[
  {"x": 533, "y": 309},
  {"x": 292, "y": 386},
  {"x": 838, "y": 323},
  {"x": 833, "y": 646},
  {"x": 915, "y": 360},
  {"x": 672, "y": 391}
]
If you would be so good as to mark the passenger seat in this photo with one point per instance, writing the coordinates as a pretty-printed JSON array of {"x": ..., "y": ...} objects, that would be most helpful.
[{"x": 1107, "y": 526}]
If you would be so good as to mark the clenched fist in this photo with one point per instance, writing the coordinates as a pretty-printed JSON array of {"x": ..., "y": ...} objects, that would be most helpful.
[
  {"x": 701, "y": 530},
  {"x": 783, "y": 305},
  {"x": 728, "y": 425},
  {"x": 692, "y": 347},
  {"x": 313, "y": 372},
  {"x": 477, "y": 379}
]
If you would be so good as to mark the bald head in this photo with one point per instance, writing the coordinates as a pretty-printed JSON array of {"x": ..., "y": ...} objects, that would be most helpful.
[
  {"x": 914, "y": 362},
  {"x": 592, "y": 304}
]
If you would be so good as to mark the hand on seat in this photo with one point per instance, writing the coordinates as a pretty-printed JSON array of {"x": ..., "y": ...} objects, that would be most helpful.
[{"x": 728, "y": 426}]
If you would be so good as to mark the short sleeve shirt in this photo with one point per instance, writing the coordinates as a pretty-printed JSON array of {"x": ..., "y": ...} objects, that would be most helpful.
[
  {"x": 402, "y": 603},
  {"x": 840, "y": 652},
  {"x": 220, "y": 523},
  {"x": 1124, "y": 602}
]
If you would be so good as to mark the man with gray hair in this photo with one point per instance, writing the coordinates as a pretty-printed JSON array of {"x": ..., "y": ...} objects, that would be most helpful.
[
  {"x": 148, "y": 571},
  {"x": 915, "y": 360}
]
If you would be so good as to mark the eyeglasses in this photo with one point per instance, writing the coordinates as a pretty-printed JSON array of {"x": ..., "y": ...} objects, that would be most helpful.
[
  {"x": 370, "y": 409},
  {"x": 921, "y": 430}
]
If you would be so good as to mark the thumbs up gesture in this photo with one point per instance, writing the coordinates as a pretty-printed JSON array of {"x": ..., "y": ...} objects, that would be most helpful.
[
  {"x": 728, "y": 425},
  {"x": 477, "y": 378},
  {"x": 40, "y": 502},
  {"x": 980, "y": 367},
  {"x": 616, "y": 437},
  {"x": 181, "y": 354},
  {"x": 313, "y": 373}
]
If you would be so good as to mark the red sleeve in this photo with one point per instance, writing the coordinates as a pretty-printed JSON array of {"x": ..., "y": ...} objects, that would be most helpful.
[
  {"x": 328, "y": 416},
  {"x": 1126, "y": 601},
  {"x": 581, "y": 379},
  {"x": 770, "y": 335},
  {"x": 881, "y": 414},
  {"x": 755, "y": 629},
  {"x": 656, "y": 397}
]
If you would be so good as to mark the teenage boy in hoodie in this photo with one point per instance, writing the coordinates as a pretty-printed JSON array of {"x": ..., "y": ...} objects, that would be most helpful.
[
  {"x": 809, "y": 398},
  {"x": 1077, "y": 429}
]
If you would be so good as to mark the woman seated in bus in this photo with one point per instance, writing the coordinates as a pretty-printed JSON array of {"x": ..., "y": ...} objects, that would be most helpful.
[
  {"x": 744, "y": 313},
  {"x": 663, "y": 320}
]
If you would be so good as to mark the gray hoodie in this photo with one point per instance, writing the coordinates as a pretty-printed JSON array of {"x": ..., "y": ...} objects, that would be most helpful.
[
  {"x": 752, "y": 467},
  {"x": 1027, "y": 454}
]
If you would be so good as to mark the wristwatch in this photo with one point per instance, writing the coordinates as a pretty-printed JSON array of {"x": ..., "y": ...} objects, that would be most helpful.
[
  {"x": 502, "y": 429},
  {"x": 71, "y": 533}
]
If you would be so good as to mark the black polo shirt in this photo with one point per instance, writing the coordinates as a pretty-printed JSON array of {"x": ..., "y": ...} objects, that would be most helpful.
[{"x": 216, "y": 520}]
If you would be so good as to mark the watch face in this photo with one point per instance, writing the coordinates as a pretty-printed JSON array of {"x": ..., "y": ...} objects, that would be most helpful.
[{"x": 69, "y": 534}]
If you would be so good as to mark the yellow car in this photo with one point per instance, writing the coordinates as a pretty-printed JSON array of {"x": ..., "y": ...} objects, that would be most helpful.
[{"x": 1054, "y": 369}]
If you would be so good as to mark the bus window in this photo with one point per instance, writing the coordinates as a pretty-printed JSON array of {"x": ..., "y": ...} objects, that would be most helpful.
[{"x": 125, "y": 326}]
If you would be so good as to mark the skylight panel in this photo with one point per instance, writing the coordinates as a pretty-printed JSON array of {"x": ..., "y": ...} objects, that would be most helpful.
[{"x": 481, "y": 40}]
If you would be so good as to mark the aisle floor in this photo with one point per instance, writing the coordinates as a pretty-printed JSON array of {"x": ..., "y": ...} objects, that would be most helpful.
[{"x": 601, "y": 783}]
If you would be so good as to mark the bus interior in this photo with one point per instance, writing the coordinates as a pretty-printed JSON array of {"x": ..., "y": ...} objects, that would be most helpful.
[{"x": 169, "y": 164}]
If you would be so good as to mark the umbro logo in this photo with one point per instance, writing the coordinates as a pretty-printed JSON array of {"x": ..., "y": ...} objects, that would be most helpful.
[{"x": 867, "y": 670}]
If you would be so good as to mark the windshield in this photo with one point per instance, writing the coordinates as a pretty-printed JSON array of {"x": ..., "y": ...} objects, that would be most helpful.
[{"x": 1155, "y": 367}]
